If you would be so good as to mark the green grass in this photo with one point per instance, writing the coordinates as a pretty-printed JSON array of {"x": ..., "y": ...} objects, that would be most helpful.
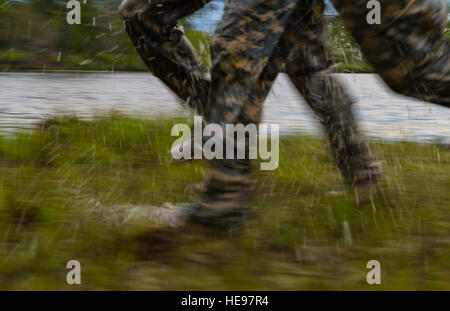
[{"x": 68, "y": 188}]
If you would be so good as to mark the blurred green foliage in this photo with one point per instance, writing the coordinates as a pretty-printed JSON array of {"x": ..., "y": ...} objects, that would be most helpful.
[
  {"x": 74, "y": 189},
  {"x": 34, "y": 35}
]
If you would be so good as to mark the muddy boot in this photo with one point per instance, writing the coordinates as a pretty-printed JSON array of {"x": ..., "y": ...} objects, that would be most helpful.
[
  {"x": 222, "y": 202},
  {"x": 221, "y": 219},
  {"x": 224, "y": 199}
]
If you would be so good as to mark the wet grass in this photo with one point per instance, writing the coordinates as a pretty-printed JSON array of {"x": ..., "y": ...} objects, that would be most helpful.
[{"x": 69, "y": 190}]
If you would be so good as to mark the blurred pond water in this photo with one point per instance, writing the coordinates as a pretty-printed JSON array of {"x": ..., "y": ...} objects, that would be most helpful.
[{"x": 26, "y": 98}]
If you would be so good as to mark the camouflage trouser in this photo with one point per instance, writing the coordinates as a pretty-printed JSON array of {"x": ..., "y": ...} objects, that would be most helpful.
[
  {"x": 408, "y": 48},
  {"x": 251, "y": 46},
  {"x": 253, "y": 42},
  {"x": 160, "y": 41}
]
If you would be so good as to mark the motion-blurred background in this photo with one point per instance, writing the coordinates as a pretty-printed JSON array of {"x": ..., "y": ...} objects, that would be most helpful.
[
  {"x": 84, "y": 140},
  {"x": 34, "y": 34}
]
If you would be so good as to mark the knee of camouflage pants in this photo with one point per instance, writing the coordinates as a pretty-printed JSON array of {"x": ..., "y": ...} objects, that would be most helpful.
[
  {"x": 168, "y": 11},
  {"x": 152, "y": 17},
  {"x": 129, "y": 8}
]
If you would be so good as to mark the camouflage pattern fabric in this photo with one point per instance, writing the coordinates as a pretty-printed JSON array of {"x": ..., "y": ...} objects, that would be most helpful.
[
  {"x": 408, "y": 48},
  {"x": 254, "y": 42},
  {"x": 160, "y": 41}
]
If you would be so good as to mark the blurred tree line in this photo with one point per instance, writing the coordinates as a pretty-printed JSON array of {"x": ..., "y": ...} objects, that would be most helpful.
[{"x": 34, "y": 35}]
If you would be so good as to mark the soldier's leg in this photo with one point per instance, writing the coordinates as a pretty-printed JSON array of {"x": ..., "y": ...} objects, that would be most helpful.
[
  {"x": 308, "y": 67},
  {"x": 241, "y": 50},
  {"x": 408, "y": 49},
  {"x": 162, "y": 45}
]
